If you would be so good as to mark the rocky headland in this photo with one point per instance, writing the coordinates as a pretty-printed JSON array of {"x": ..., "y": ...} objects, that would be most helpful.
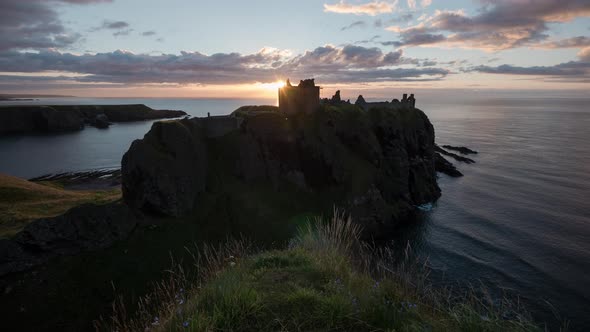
[
  {"x": 61, "y": 118},
  {"x": 254, "y": 167},
  {"x": 377, "y": 164}
]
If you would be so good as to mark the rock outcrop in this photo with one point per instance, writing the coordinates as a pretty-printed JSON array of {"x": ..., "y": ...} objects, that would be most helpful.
[
  {"x": 360, "y": 101},
  {"x": 166, "y": 171},
  {"x": 444, "y": 166},
  {"x": 47, "y": 119},
  {"x": 83, "y": 228},
  {"x": 377, "y": 164},
  {"x": 454, "y": 156},
  {"x": 460, "y": 149}
]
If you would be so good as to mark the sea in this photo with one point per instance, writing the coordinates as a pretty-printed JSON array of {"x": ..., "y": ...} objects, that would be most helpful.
[{"x": 518, "y": 221}]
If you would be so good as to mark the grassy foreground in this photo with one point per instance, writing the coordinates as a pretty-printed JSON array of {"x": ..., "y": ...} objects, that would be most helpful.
[
  {"x": 326, "y": 280},
  {"x": 22, "y": 201}
]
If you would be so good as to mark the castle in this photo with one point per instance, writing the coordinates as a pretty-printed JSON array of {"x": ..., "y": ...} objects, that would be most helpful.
[{"x": 305, "y": 98}]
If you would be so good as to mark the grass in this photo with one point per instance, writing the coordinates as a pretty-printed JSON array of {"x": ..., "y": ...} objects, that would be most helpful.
[
  {"x": 22, "y": 201},
  {"x": 325, "y": 280}
]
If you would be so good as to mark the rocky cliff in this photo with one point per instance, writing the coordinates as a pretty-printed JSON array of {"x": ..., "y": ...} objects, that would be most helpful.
[
  {"x": 82, "y": 228},
  {"x": 377, "y": 165},
  {"x": 27, "y": 119},
  {"x": 255, "y": 169}
]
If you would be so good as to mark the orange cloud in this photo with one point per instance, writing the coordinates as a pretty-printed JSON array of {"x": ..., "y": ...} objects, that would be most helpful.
[{"x": 371, "y": 8}]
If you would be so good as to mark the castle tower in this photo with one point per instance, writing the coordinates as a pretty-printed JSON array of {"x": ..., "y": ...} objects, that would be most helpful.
[{"x": 304, "y": 98}]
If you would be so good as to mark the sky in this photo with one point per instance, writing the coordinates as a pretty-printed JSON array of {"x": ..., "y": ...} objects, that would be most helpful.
[{"x": 190, "y": 48}]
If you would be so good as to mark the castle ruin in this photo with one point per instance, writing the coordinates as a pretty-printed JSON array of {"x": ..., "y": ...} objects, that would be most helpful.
[{"x": 304, "y": 98}]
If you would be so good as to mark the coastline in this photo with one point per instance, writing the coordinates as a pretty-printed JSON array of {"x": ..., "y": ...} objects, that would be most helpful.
[
  {"x": 62, "y": 118},
  {"x": 464, "y": 216}
]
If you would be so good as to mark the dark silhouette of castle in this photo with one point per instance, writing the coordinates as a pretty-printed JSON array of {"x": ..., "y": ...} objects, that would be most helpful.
[{"x": 304, "y": 98}]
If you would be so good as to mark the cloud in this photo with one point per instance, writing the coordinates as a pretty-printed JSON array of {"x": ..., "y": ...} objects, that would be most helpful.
[
  {"x": 328, "y": 64},
  {"x": 412, "y": 4},
  {"x": 402, "y": 18},
  {"x": 371, "y": 8},
  {"x": 349, "y": 56},
  {"x": 120, "y": 28},
  {"x": 125, "y": 32},
  {"x": 498, "y": 24},
  {"x": 367, "y": 41},
  {"x": 572, "y": 68},
  {"x": 415, "y": 36},
  {"x": 574, "y": 42},
  {"x": 148, "y": 33},
  {"x": 356, "y": 24},
  {"x": 584, "y": 54},
  {"x": 34, "y": 24},
  {"x": 82, "y": 2},
  {"x": 116, "y": 25},
  {"x": 572, "y": 71}
]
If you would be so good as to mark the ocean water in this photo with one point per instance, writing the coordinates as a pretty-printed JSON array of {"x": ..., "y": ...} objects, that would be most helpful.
[
  {"x": 34, "y": 155},
  {"x": 519, "y": 220}
]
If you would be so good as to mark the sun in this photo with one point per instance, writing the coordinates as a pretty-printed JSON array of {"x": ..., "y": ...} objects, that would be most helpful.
[{"x": 273, "y": 85}]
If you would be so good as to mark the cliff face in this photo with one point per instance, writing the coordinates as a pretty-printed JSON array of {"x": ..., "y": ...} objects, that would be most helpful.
[
  {"x": 26, "y": 119},
  {"x": 377, "y": 165},
  {"x": 166, "y": 170}
]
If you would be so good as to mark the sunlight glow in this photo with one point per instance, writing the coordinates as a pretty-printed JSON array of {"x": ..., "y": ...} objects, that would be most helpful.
[{"x": 274, "y": 86}]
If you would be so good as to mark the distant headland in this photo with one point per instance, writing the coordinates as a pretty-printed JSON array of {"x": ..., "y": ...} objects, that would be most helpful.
[
  {"x": 52, "y": 119},
  {"x": 28, "y": 96}
]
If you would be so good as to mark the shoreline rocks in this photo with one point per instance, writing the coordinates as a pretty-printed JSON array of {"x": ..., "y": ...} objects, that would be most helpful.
[
  {"x": 446, "y": 167},
  {"x": 460, "y": 149},
  {"x": 454, "y": 156}
]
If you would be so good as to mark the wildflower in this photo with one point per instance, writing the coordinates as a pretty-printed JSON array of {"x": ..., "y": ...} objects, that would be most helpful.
[
  {"x": 182, "y": 290},
  {"x": 231, "y": 257},
  {"x": 181, "y": 302},
  {"x": 376, "y": 284},
  {"x": 156, "y": 321},
  {"x": 408, "y": 305},
  {"x": 485, "y": 318},
  {"x": 185, "y": 324},
  {"x": 232, "y": 263}
]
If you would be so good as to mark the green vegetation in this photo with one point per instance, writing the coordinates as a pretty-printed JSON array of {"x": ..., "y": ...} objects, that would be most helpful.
[
  {"x": 22, "y": 201},
  {"x": 325, "y": 280},
  {"x": 254, "y": 110}
]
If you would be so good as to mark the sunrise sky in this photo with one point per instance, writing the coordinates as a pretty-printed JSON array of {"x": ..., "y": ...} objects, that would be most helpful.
[{"x": 189, "y": 48}]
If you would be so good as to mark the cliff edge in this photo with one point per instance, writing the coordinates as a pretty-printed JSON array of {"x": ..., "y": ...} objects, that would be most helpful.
[{"x": 377, "y": 164}]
